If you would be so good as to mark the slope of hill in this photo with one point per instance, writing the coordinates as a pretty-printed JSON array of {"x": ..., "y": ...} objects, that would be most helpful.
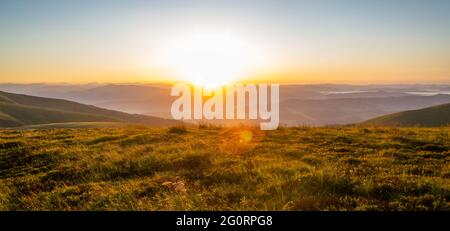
[
  {"x": 26, "y": 115},
  {"x": 213, "y": 168},
  {"x": 351, "y": 110},
  {"x": 17, "y": 110},
  {"x": 316, "y": 105},
  {"x": 427, "y": 117}
]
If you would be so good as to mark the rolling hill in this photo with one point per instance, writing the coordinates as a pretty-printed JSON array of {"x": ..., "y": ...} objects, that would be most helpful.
[
  {"x": 19, "y": 110},
  {"x": 214, "y": 169},
  {"x": 427, "y": 117},
  {"x": 312, "y": 105},
  {"x": 351, "y": 110}
]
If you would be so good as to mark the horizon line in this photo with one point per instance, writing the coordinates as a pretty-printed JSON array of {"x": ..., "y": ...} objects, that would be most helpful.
[{"x": 243, "y": 82}]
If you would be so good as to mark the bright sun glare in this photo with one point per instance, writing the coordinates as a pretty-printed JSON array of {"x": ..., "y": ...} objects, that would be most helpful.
[{"x": 209, "y": 58}]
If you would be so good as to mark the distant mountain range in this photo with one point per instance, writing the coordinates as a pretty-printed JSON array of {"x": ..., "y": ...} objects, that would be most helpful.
[
  {"x": 351, "y": 110},
  {"x": 316, "y": 105},
  {"x": 427, "y": 117},
  {"x": 20, "y": 110}
]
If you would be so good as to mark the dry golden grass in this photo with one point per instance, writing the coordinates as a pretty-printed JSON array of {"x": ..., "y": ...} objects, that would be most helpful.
[{"x": 213, "y": 168}]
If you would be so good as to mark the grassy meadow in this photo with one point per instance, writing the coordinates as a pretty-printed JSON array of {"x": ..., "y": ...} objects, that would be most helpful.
[{"x": 214, "y": 168}]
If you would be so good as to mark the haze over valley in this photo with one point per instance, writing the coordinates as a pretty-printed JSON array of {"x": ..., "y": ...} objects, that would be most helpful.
[{"x": 311, "y": 105}]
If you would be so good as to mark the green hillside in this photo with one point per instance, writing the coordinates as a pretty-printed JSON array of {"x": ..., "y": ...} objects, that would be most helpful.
[
  {"x": 427, "y": 117},
  {"x": 19, "y": 110},
  {"x": 27, "y": 115},
  {"x": 8, "y": 121},
  {"x": 213, "y": 168}
]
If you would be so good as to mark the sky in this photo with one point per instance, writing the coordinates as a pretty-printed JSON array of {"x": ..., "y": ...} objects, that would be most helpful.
[{"x": 310, "y": 41}]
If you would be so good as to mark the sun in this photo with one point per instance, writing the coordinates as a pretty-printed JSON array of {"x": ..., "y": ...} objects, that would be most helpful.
[{"x": 209, "y": 58}]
